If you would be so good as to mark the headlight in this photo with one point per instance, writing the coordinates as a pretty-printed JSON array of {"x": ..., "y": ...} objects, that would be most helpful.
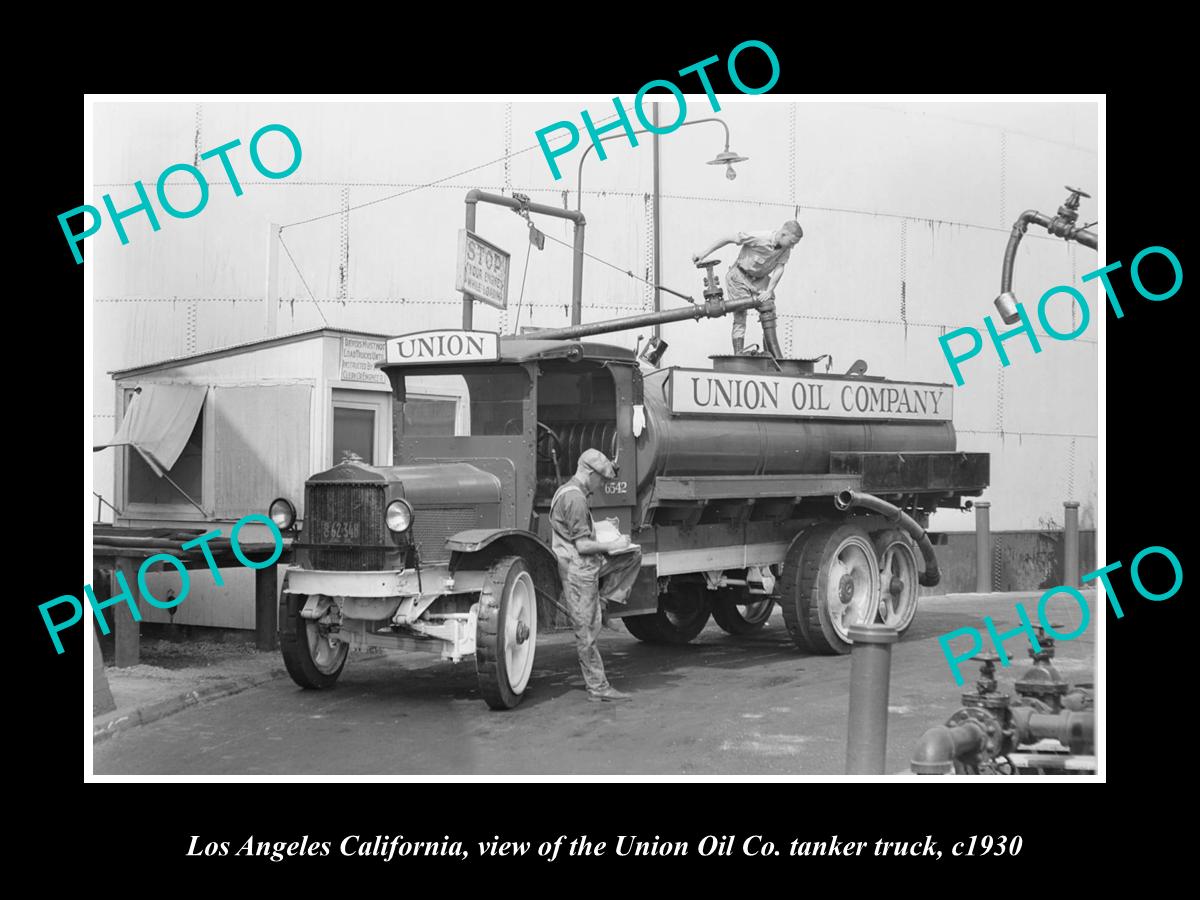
[
  {"x": 282, "y": 513},
  {"x": 399, "y": 516}
]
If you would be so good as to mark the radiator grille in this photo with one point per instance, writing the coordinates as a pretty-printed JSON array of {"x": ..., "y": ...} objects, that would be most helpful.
[
  {"x": 349, "y": 514},
  {"x": 432, "y": 527}
]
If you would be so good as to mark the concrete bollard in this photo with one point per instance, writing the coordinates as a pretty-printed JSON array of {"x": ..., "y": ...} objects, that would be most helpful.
[
  {"x": 870, "y": 677},
  {"x": 1071, "y": 543},
  {"x": 983, "y": 547}
]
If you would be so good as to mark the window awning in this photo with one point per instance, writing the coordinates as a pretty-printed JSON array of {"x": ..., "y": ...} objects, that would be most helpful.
[{"x": 158, "y": 422}]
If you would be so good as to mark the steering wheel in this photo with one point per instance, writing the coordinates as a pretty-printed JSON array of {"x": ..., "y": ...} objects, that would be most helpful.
[
  {"x": 552, "y": 444},
  {"x": 514, "y": 426}
]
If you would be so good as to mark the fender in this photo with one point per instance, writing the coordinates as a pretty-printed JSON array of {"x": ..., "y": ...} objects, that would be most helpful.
[{"x": 477, "y": 548}]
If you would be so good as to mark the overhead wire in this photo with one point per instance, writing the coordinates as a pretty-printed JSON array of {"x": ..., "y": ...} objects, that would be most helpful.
[{"x": 347, "y": 210}]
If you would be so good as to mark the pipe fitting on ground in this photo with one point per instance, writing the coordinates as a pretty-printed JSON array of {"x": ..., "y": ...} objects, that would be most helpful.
[{"x": 941, "y": 746}]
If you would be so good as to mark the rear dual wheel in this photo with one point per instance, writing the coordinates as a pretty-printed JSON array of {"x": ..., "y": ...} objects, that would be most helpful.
[
  {"x": 899, "y": 576},
  {"x": 682, "y": 614},
  {"x": 837, "y": 575},
  {"x": 743, "y": 618}
]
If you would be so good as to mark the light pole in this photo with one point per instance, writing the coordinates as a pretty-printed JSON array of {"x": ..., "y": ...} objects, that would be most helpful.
[{"x": 726, "y": 157}]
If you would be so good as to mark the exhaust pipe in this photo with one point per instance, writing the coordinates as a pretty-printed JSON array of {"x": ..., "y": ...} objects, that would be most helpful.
[{"x": 845, "y": 500}]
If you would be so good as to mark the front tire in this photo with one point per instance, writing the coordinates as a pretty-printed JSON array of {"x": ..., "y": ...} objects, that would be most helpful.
[
  {"x": 506, "y": 633},
  {"x": 310, "y": 659}
]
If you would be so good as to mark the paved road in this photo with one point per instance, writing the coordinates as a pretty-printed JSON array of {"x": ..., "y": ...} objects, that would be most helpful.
[{"x": 719, "y": 706}]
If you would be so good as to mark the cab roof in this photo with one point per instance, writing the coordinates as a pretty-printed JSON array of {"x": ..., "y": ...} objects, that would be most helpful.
[
  {"x": 524, "y": 349},
  {"x": 527, "y": 349}
]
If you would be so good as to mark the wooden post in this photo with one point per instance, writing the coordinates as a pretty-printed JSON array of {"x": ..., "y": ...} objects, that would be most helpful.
[
  {"x": 266, "y": 608},
  {"x": 102, "y": 698},
  {"x": 272, "y": 297},
  {"x": 126, "y": 632}
]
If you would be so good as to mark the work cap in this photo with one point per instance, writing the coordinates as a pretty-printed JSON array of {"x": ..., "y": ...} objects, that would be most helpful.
[{"x": 598, "y": 462}]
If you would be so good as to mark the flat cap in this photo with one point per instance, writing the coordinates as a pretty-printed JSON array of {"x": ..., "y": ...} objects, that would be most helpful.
[{"x": 598, "y": 462}]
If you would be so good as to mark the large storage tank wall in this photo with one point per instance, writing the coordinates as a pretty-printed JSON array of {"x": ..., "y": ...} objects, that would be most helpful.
[{"x": 906, "y": 210}]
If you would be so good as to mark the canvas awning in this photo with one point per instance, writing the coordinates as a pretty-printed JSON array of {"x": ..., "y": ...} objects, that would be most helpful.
[{"x": 158, "y": 422}]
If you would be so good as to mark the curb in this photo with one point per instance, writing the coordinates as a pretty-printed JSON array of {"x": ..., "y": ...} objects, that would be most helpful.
[{"x": 163, "y": 708}]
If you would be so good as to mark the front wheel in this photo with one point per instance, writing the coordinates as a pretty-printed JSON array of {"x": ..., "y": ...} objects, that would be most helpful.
[
  {"x": 310, "y": 658},
  {"x": 505, "y": 633}
]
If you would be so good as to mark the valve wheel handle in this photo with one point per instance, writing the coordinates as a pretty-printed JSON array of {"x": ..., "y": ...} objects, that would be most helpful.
[{"x": 1078, "y": 191}]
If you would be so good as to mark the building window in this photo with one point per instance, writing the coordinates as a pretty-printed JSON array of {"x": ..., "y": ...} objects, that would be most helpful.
[
  {"x": 145, "y": 486},
  {"x": 353, "y": 432}
]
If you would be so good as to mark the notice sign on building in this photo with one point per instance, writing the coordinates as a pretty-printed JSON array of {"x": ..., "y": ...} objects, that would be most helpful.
[
  {"x": 482, "y": 270},
  {"x": 725, "y": 393},
  {"x": 359, "y": 356}
]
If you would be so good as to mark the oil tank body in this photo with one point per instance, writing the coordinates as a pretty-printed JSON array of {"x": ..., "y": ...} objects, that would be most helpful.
[{"x": 732, "y": 444}]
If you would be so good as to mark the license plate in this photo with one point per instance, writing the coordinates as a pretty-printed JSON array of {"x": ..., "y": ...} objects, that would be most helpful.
[{"x": 339, "y": 532}]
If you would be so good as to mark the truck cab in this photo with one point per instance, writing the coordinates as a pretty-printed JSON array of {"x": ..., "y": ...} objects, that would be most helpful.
[{"x": 449, "y": 548}]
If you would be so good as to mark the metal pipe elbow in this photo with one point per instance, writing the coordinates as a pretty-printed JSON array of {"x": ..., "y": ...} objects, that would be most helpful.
[
  {"x": 1006, "y": 303},
  {"x": 941, "y": 746}
]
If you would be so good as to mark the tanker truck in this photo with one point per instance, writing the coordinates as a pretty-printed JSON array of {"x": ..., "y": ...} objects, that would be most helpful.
[{"x": 753, "y": 482}]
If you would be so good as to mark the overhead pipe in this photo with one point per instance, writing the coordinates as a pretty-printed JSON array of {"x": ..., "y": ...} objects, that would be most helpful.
[
  {"x": 845, "y": 500},
  {"x": 475, "y": 197},
  {"x": 1062, "y": 225},
  {"x": 710, "y": 310}
]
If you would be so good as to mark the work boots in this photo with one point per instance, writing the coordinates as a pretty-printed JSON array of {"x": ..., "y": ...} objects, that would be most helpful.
[{"x": 609, "y": 694}]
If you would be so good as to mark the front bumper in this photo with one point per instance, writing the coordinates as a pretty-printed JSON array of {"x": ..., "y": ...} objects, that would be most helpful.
[{"x": 388, "y": 583}]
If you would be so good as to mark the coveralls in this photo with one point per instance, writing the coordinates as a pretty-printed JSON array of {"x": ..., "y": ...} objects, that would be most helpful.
[
  {"x": 588, "y": 580},
  {"x": 758, "y": 258}
]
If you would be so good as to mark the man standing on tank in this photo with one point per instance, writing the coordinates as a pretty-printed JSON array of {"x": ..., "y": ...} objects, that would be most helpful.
[
  {"x": 590, "y": 575},
  {"x": 756, "y": 272}
]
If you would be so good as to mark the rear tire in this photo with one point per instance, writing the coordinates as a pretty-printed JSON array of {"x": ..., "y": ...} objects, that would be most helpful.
[
  {"x": 682, "y": 614},
  {"x": 899, "y": 574},
  {"x": 506, "y": 633},
  {"x": 307, "y": 655},
  {"x": 745, "y": 619},
  {"x": 831, "y": 581}
]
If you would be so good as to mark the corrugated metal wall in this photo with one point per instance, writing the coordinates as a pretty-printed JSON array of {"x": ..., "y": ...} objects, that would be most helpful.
[{"x": 906, "y": 211}]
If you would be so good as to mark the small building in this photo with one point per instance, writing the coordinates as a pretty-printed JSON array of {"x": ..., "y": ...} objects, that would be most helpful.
[{"x": 205, "y": 439}]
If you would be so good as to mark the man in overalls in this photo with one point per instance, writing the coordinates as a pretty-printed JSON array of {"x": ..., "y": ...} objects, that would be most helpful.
[
  {"x": 757, "y": 271},
  {"x": 590, "y": 576}
]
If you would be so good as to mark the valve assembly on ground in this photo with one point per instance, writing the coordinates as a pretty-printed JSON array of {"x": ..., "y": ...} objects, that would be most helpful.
[{"x": 995, "y": 733}]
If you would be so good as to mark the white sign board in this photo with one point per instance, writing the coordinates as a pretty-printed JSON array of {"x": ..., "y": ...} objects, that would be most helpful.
[
  {"x": 482, "y": 272},
  {"x": 727, "y": 393},
  {"x": 359, "y": 356},
  {"x": 443, "y": 347}
]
